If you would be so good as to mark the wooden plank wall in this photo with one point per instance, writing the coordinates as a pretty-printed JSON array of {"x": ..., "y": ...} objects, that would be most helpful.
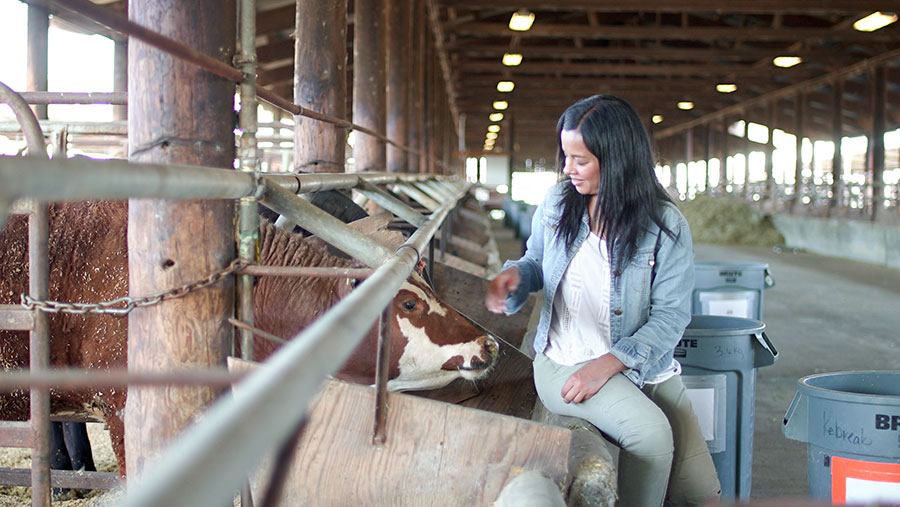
[{"x": 436, "y": 454}]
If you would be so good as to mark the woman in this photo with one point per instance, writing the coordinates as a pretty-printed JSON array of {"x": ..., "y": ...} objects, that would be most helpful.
[{"x": 614, "y": 257}]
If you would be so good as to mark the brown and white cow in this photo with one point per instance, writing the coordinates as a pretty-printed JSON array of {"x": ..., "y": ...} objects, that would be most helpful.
[{"x": 431, "y": 344}]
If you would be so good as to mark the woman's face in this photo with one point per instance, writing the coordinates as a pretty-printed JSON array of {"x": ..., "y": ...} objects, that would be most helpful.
[{"x": 580, "y": 164}]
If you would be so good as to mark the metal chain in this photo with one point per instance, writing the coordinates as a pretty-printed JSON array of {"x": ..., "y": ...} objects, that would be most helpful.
[{"x": 115, "y": 307}]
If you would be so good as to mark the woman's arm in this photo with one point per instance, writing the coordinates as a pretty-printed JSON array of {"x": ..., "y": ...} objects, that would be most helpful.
[{"x": 523, "y": 276}]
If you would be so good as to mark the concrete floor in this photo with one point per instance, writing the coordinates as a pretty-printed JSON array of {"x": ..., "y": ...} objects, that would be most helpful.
[{"x": 823, "y": 315}]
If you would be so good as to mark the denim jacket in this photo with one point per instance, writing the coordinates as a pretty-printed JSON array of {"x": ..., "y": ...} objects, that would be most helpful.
[{"x": 650, "y": 298}]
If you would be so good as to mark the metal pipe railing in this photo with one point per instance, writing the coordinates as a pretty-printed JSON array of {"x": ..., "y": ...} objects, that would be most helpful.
[
  {"x": 114, "y": 98},
  {"x": 38, "y": 286},
  {"x": 248, "y": 207},
  {"x": 81, "y": 178},
  {"x": 104, "y": 128},
  {"x": 200, "y": 468},
  {"x": 391, "y": 203},
  {"x": 332, "y": 230}
]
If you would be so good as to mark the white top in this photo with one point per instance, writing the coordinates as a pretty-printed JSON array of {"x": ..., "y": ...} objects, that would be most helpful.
[{"x": 579, "y": 324}]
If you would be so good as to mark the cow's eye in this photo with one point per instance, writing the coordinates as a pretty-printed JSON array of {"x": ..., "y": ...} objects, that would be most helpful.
[{"x": 409, "y": 305}]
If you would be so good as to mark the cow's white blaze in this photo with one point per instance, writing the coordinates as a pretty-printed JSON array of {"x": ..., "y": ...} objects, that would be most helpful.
[
  {"x": 420, "y": 364},
  {"x": 434, "y": 306}
]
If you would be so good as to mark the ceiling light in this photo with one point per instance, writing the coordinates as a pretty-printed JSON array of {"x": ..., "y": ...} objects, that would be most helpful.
[
  {"x": 686, "y": 105},
  {"x": 521, "y": 20},
  {"x": 491, "y": 135},
  {"x": 875, "y": 21},
  {"x": 726, "y": 87},
  {"x": 512, "y": 59},
  {"x": 488, "y": 148},
  {"x": 786, "y": 61},
  {"x": 495, "y": 116},
  {"x": 657, "y": 118},
  {"x": 500, "y": 105},
  {"x": 493, "y": 128},
  {"x": 505, "y": 86},
  {"x": 489, "y": 141}
]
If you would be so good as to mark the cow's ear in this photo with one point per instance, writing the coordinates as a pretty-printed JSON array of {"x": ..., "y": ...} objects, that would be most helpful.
[{"x": 420, "y": 267}]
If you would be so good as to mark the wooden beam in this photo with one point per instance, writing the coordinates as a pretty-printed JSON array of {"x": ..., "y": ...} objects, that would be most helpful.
[
  {"x": 745, "y": 6},
  {"x": 702, "y": 33},
  {"x": 632, "y": 69}
]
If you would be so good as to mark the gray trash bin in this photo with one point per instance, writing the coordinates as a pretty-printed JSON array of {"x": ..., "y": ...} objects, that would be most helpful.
[
  {"x": 719, "y": 356},
  {"x": 851, "y": 423},
  {"x": 733, "y": 289}
]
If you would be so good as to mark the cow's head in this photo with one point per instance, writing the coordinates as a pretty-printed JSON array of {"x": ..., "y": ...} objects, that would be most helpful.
[{"x": 437, "y": 344}]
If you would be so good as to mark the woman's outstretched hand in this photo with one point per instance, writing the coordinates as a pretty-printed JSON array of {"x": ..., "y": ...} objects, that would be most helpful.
[
  {"x": 585, "y": 382},
  {"x": 501, "y": 285}
]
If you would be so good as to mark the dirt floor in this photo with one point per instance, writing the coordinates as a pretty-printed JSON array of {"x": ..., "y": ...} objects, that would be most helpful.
[{"x": 21, "y": 458}]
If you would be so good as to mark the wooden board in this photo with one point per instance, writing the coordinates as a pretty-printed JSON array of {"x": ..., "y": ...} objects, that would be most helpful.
[{"x": 436, "y": 454}]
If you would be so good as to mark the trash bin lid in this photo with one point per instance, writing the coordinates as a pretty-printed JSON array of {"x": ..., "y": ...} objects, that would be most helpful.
[{"x": 720, "y": 325}]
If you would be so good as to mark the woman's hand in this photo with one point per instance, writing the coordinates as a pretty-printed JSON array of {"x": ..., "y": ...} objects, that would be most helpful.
[
  {"x": 585, "y": 382},
  {"x": 500, "y": 286}
]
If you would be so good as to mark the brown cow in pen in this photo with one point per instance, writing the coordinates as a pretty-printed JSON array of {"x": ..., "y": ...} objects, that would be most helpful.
[{"x": 431, "y": 344}]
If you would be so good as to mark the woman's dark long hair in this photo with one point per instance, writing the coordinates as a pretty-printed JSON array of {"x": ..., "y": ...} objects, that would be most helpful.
[{"x": 629, "y": 194}]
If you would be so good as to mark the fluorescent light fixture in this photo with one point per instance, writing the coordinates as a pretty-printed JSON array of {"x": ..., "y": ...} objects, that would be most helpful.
[
  {"x": 490, "y": 141},
  {"x": 495, "y": 116},
  {"x": 493, "y": 128},
  {"x": 786, "y": 61},
  {"x": 657, "y": 118},
  {"x": 875, "y": 21},
  {"x": 505, "y": 86},
  {"x": 512, "y": 59},
  {"x": 686, "y": 105},
  {"x": 491, "y": 135},
  {"x": 521, "y": 20},
  {"x": 726, "y": 87},
  {"x": 500, "y": 105},
  {"x": 488, "y": 148}
]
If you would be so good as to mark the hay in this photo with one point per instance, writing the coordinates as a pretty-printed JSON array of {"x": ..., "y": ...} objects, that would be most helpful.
[
  {"x": 729, "y": 221},
  {"x": 104, "y": 459}
]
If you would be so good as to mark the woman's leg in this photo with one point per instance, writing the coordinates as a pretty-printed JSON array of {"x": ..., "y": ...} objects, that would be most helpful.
[
  {"x": 626, "y": 416},
  {"x": 694, "y": 480}
]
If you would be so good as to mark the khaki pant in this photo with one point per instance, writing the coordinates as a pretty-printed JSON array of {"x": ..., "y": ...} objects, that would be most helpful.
[{"x": 663, "y": 454}]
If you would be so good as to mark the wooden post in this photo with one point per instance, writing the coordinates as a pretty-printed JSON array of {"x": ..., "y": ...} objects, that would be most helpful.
[
  {"x": 120, "y": 76},
  {"x": 876, "y": 146},
  {"x": 320, "y": 83},
  {"x": 178, "y": 114},
  {"x": 723, "y": 167},
  {"x": 746, "y": 155},
  {"x": 369, "y": 37},
  {"x": 710, "y": 133},
  {"x": 427, "y": 105},
  {"x": 688, "y": 155},
  {"x": 768, "y": 190},
  {"x": 799, "y": 131},
  {"x": 398, "y": 68},
  {"x": 36, "y": 78},
  {"x": 837, "y": 162},
  {"x": 417, "y": 90}
]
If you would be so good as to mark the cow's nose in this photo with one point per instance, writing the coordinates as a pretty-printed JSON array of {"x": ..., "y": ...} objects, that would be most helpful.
[{"x": 488, "y": 346}]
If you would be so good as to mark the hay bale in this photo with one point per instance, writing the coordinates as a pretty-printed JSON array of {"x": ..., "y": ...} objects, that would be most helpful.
[{"x": 729, "y": 221}]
